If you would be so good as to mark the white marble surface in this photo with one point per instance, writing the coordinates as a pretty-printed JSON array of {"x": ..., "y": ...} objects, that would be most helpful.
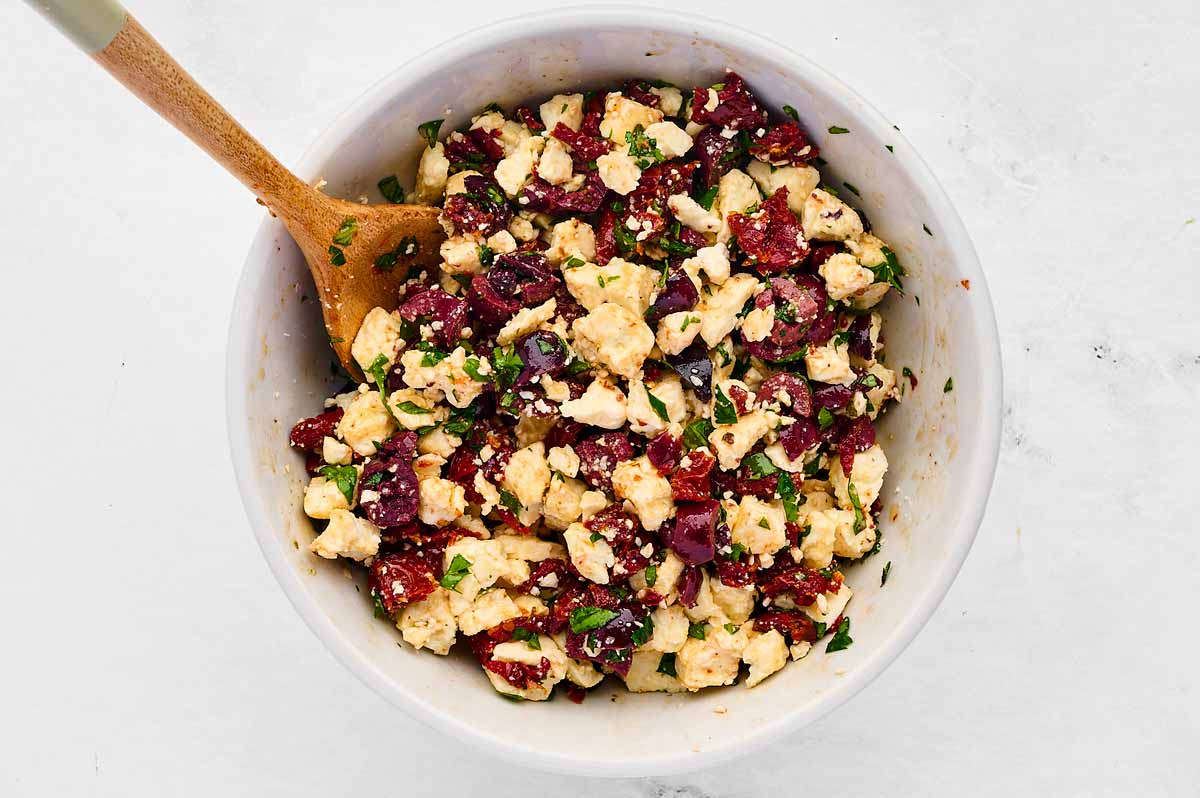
[{"x": 148, "y": 651}]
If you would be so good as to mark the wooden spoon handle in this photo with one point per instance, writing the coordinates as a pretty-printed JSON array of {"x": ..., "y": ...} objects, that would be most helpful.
[{"x": 111, "y": 35}]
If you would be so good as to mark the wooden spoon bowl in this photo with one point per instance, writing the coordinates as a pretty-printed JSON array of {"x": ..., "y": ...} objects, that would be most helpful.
[{"x": 359, "y": 255}]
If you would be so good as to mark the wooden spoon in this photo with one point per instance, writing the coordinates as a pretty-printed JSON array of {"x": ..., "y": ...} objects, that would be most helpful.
[{"x": 341, "y": 240}]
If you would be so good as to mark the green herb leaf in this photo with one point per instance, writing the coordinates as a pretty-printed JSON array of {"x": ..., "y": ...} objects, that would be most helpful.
[
  {"x": 510, "y": 501},
  {"x": 824, "y": 418},
  {"x": 836, "y": 130},
  {"x": 791, "y": 113},
  {"x": 707, "y": 199},
  {"x": 688, "y": 321},
  {"x": 787, "y": 492},
  {"x": 841, "y": 638},
  {"x": 736, "y": 550},
  {"x": 760, "y": 465},
  {"x": 391, "y": 189},
  {"x": 887, "y": 569},
  {"x": 696, "y": 630},
  {"x": 585, "y": 619},
  {"x": 336, "y": 256},
  {"x": 643, "y": 149},
  {"x": 413, "y": 409},
  {"x": 852, "y": 188},
  {"x": 644, "y": 632},
  {"x": 890, "y": 271},
  {"x": 696, "y": 434},
  {"x": 344, "y": 477},
  {"x": 460, "y": 421},
  {"x": 429, "y": 131},
  {"x": 657, "y": 405},
  {"x": 527, "y": 636},
  {"x": 378, "y": 372},
  {"x": 890, "y": 148},
  {"x": 666, "y": 666},
  {"x": 860, "y": 519},
  {"x": 949, "y": 385},
  {"x": 460, "y": 566},
  {"x": 731, "y": 628},
  {"x": 928, "y": 232},
  {"x": 346, "y": 231},
  {"x": 820, "y": 628},
  {"x": 573, "y": 262},
  {"x": 723, "y": 410},
  {"x": 407, "y": 248},
  {"x": 651, "y": 575},
  {"x": 507, "y": 365}
]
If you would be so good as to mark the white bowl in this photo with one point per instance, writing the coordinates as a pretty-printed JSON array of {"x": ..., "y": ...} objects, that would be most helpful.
[{"x": 942, "y": 446}]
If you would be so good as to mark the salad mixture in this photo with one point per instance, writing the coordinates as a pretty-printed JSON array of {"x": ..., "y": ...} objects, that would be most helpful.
[{"x": 627, "y": 428}]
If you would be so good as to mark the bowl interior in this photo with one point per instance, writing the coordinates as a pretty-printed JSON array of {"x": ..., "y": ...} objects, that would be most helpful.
[{"x": 941, "y": 446}]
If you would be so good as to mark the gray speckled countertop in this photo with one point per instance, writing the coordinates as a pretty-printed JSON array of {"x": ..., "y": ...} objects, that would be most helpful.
[{"x": 148, "y": 651}]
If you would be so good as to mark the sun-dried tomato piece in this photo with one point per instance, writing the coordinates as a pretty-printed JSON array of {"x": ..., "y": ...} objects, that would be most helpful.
[
  {"x": 858, "y": 436},
  {"x": 400, "y": 579},
  {"x": 616, "y": 525},
  {"x": 606, "y": 237},
  {"x": 526, "y": 115},
  {"x": 692, "y": 483},
  {"x": 796, "y": 627},
  {"x": 310, "y": 433},
  {"x": 789, "y": 391},
  {"x": 771, "y": 237},
  {"x": 639, "y": 91},
  {"x": 805, "y": 584},
  {"x": 589, "y": 148},
  {"x": 736, "y": 108},
  {"x": 488, "y": 141},
  {"x": 784, "y": 143}
]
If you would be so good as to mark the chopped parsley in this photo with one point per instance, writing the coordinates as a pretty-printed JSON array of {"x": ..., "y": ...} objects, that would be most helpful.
[
  {"x": 860, "y": 519},
  {"x": 696, "y": 434},
  {"x": 853, "y": 189},
  {"x": 890, "y": 271},
  {"x": 346, "y": 231},
  {"x": 707, "y": 199},
  {"x": 723, "y": 410},
  {"x": 841, "y": 637},
  {"x": 378, "y": 372},
  {"x": 429, "y": 131},
  {"x": 787, "y": 492},
  {"x": 696, "y": 630},
  {"x": 949, "y": 385},
  {"x": 890, "y": 148},
  {"x": 764, "y": 523},
  {"x": 666, "y": 665},
  {"x": 731, "y": 628},
  {"x": 824, "y": 418},
  {"x": 643, "y": 149},
  {"x": 791, "y": 113},
  {"x": 472, "y": 365},
  {"x": 507, "y": 364},
  {"x": 688, "y": 321},
  {"x": 461, "y": 420},
  {"x": 528, "y": 637},
  {"x": 406, "y": 248},
  {"x": 736, "y": 550},
  {"x": 344, "y": 477},
  {"x": 460, "y": 566},
  {"x": 834, "y": 129},
  {"x": 603, "y": 281},
  {"x": 585, "y": 619},
  {"x": 391, "y": 190},
  {"x": 644, "y": 632},
  {"x": 510, "y": 501},
  {"x": 413, "y": 409},
  {"x": 657, "y": 405},
  {"x": 573, "y": 262},
  {"x": 887, "y": 569},
  {"x": 336, "y": 256},
  {"x": 760, "y": 465},
  {"x": 651, "y": 575}
]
